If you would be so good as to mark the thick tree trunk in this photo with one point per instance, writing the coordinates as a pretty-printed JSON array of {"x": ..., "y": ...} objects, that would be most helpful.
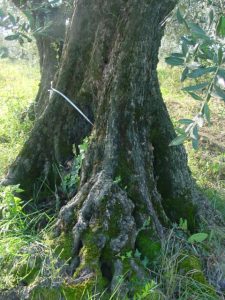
[{"x": 130, "y": 173}]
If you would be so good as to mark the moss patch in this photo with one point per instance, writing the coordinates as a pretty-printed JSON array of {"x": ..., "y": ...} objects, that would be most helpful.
[
  {"x": 44, "y": 293},
  {"x": 147, "y": 246},
  {"x": 64, "y": 246},
  {"x": 90, "y": 264},
  {"x": 78, "y": 291},
  {"x": 190, "y": 266},
  {"x": 177, "y": 208}
]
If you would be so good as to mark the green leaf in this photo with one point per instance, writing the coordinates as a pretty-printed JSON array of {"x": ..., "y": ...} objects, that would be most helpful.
[
  {"x": 188, "y": 41},
  {"x": 220, "y": 30},
  {"x": 180, "y": 18},
  {"x": 198, "y": 31},
  {"x": 12, "y": 19},
  {"x": 220, "y": 55},
  {"x": 26, "y": 37},
  {"x": 195, "y": 96},
  {"x": 185, "y": 121},
  {"x": 184, "y": 74},
  {"x": 2, "y": 14},
  {"x": 174, "y": 61},
  {"x": 183, "y": 224},
  {"x": 195, "y": 28},
  {"x": 195, "y": 144},
  {"x": 178, "y": 140},
  {"x": 137, "y": 253},
  {"x": 180, "y": 130},
  {"x": 221, "y": 73},
  {"x": 206, "y": 112},
  {"x": 198, "y": 237},
  {"x": 145, "y": 261},
  {"x": 176, "y": 54},
  {"x": 201, "y": 71},
  {"x": 12, "y": 37},
  {"x": 184, "y": 49},
  {"x": 4, "y": 52},
  {"x": 211, "y": 17},
  {"x": 195, "y": 133},
  {"x": 218, "y": 92},
  {"x": 196, "y": 87},
  {"x": 206, "y": 52},
  {"x": 30, "y": 18},
  {"x": 129, "y": 254}
]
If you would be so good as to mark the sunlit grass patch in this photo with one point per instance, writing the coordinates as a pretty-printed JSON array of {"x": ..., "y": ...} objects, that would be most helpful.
[
  {"x": 170, "y": 82},
  {"x": 18, "y": 87}
]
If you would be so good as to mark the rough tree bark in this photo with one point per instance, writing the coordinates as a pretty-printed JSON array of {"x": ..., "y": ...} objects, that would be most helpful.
[{"x": 130, "y": 173}]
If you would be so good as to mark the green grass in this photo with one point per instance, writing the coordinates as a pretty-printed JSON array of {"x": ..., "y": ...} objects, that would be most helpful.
[{"x": 18, "y": 87}]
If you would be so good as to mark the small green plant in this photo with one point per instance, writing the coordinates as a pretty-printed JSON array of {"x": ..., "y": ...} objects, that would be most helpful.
[
  {"x": 146, "y": 292},
  {"x": 11, "y": 210},
  {"x": 183, "y": 225},
  {"x": 70, "y": 181},
  {"x": 198, "y": 237},
  {"x": 194, "y": 238},
  {"x": 118, "y": 180}
]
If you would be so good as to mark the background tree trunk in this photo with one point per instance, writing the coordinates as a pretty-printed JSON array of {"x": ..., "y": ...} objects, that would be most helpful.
[{"x": 48, "y": 25}]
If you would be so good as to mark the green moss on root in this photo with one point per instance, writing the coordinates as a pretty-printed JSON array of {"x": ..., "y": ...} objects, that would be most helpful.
[
  {"x": 78, "y": 291},
  {"x": 177, "y": 208},
  {"x": 44, "y": 293},
  {"x": 147, "y": 246},
  {"x": 190, "y": 266},
  {"x": 90, "y": 260},
  {"x": 64, "y": 246}
]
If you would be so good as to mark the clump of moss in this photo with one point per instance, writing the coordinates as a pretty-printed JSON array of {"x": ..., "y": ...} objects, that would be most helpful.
[
  {"x": 147, "y": 246},
  {"x": 177, "y": 208},
  {"x": 45, "y": 293},
  {"x": 78, "y": 291},
  {"x": 64, "y": 246},
  {"x": 190, "y": 266},
  {"x": 90, "y": 264}
]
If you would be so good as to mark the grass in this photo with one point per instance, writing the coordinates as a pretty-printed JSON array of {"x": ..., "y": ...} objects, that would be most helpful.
[{"x": 18, "y": 87}]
